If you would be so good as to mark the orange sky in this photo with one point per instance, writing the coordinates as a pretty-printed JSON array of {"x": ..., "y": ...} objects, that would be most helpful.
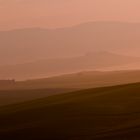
[{"x": 59, "y": 13}]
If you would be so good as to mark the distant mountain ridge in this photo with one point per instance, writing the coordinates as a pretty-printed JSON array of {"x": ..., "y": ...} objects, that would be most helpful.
[{"x": 25, "y": 45}]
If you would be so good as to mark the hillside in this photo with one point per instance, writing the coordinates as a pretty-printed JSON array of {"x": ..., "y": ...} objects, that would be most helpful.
[
  {"x": 21, "y": 95},
  {"x": 19, "y": 91},
  {"x": 108, "y": 113},
  {"x": 51, "y": 67},
  {"x": 80, "y": 80}
]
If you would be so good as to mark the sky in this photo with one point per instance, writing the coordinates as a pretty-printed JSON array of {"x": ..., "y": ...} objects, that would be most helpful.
[{"x": 61, "y": 13}]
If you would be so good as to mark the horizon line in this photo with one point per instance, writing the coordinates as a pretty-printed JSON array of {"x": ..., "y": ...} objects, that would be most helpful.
[{"x": 69, "y": 26}]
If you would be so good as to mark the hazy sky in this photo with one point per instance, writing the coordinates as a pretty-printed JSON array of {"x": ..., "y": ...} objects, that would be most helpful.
[{"x": 59, "y": 13}]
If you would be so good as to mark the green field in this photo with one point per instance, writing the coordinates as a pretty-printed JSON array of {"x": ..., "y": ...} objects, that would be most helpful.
[{"x": 108, "y": 113}]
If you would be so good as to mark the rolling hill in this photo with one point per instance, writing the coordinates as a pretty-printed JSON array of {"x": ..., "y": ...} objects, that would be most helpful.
[
  {"x": 80, "y": 80},
  {"x": 108, "y": 113},
  {"x": 17, "y": 96},
  {"x": 52, "y": 67},
  {"x": 20, "y": 91},
  {"x": 31, "y": 44}
]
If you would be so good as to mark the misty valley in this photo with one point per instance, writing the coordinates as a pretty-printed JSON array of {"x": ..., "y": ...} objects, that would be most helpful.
[{"x": 72, "y": 83}]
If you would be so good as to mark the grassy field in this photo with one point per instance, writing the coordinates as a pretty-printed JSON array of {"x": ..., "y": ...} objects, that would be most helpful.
[{"x": 108, "y": 113}]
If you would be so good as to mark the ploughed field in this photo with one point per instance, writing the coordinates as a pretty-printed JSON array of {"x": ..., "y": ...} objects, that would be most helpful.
[{"x": 107, "y": 113}]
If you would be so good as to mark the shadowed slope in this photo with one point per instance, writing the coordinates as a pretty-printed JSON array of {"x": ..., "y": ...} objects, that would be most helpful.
[
  {"x": 101, "y": 113},
  {"x": 15, "y": 92},
  {"x": 22, "y": 95}
]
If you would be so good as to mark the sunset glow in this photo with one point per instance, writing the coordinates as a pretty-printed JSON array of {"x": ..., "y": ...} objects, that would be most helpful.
[{"x": 60, "y": 13}]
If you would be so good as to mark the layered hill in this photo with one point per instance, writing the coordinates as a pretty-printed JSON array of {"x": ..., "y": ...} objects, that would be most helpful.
[
  {"x": 24, "y": 45},
  {"x": 16, "y": 92},
  {"x": 80, "y": 80},
  {"x": 108, "y": 113},
  {"x": 51, "y": 67}
]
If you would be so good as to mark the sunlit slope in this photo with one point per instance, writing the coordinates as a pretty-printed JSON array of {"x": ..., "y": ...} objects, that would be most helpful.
[
  {"x": 80, "y": 80},
  {"x": 108, "y": 113}
]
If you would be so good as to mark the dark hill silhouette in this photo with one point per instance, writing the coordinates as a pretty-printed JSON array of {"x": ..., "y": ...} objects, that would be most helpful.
[{"x": 109, "y": 113}]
